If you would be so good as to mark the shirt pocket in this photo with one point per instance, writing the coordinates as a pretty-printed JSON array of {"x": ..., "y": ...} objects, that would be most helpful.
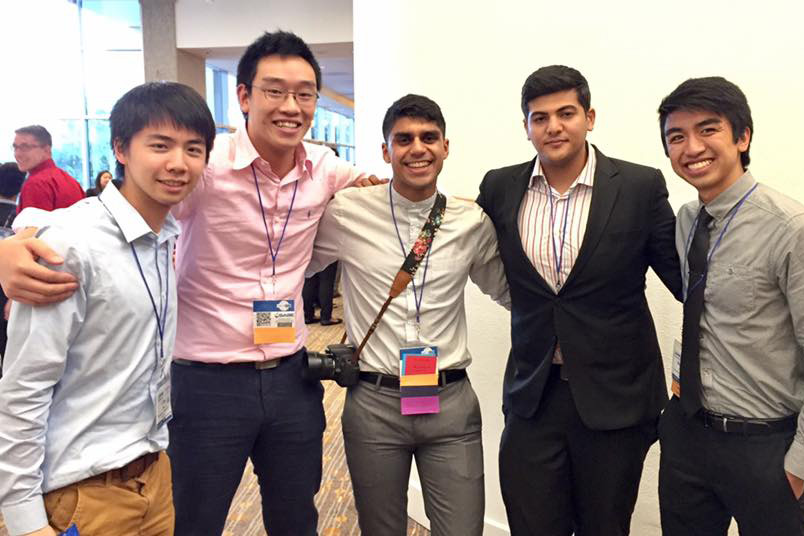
[{"x": 730, "y": 289}]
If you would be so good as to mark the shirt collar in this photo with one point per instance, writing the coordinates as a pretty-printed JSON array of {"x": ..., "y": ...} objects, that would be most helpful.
[
  {"x": 131, "y": 222},
  {"x": 585, "y": 177},
  {"x": 721, "y": 205},
  {"x": 246, "y": 154},
  {"x": 406, "y": 203},
  {"x": 41, "y": 166}
]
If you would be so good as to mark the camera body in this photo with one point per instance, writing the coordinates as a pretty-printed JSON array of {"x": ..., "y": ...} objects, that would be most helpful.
[{"x": 334, "y": 363}]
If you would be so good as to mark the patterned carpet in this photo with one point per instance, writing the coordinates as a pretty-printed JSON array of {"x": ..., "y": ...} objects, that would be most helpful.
[{"x": 337, "y": 515}]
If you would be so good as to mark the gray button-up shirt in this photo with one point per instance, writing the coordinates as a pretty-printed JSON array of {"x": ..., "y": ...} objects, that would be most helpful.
[
  {"x": 78, "y": 392},
  {"x": 752, "y": 326}
]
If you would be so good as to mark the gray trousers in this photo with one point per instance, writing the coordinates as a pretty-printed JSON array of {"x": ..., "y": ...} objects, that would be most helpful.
[{"x": 380, "y": 443}]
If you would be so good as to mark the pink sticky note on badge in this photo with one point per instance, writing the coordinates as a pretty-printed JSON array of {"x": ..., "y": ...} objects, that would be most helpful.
[{"x": 420, "y": 405}]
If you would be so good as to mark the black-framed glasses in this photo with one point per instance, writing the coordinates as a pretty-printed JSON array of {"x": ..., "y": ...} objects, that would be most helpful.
[{"x": 278, "y": 94}]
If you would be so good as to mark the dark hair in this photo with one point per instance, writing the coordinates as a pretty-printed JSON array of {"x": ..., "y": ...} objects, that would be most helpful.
[
  {"x": 552, "y": 79},
  {"x": 11, "y": 179},
  {"x": 712, "y": 94},
  {"x": 98, "y": 177},
  {"x": 417, "y": 107},
  {"x": 39, "y": 132},
  {"x": 157, "y": 103},
  {"x": 278, "y": 43}
]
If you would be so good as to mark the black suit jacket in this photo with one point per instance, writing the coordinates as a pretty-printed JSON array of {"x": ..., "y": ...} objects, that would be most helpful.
[{"x": 600, "y": 316}]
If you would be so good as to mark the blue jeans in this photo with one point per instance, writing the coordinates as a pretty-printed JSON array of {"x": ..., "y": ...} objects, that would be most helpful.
[{"x": 225, "y": 414}]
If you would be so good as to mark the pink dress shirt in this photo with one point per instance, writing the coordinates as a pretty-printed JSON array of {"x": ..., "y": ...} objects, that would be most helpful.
[{"x": 222, "y": 260}]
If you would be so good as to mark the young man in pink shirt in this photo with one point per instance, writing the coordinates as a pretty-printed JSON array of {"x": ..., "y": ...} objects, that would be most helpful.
[{"x": 248, "y": 232}]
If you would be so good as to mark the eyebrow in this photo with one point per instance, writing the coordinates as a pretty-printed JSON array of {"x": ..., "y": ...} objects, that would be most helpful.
[
  {"x": 274, "y": 80},
  {"x": 433, "y": 132},
  {"x": 704, "y": 123},
  {"x": 162, "y": 137}
]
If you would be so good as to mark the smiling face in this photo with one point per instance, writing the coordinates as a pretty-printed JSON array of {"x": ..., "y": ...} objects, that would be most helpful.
[
  {"x": 703, "y": 152},
  {"x": 556, "y": 125},
  {"x": 276, "y": 127},
  {"x": 162, "y": 165},
  {"x": 416, "y": 149},
  {"x": 29, "y": 152}
]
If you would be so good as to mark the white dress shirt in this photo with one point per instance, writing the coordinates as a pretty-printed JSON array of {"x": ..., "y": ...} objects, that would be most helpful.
[
  {"x": 78, "y": 392},
  {"x": 358, "y": 230}
]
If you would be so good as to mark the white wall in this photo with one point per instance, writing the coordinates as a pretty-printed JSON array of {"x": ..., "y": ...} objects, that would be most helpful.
[
  {"x": 224, "y": 23},
  {"x": 473, "y": 57}
]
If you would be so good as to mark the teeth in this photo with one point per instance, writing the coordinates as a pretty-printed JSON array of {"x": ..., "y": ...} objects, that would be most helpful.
[
  {"x": 699, "y": 165},
  {"x": 172, "y": 183},
  {"x": 418, "y": 164},
  {"x": 289, "y": 124}
]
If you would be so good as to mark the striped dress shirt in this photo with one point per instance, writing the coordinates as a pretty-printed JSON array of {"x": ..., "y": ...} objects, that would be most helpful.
[{"x": 552, "y": 225}]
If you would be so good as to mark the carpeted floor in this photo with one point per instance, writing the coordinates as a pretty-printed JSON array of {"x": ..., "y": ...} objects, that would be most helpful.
[{"x": 337, "y": 515}]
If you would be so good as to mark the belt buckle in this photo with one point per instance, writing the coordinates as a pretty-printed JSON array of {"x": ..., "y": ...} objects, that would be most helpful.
[{"x": 262, "y": 365}]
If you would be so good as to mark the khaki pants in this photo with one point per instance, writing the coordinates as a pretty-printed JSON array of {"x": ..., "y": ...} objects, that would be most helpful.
[{"x": 106, "y": 505}]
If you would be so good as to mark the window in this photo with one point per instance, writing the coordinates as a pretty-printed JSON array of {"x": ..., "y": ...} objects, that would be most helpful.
[{"x": 67, "y": 75}]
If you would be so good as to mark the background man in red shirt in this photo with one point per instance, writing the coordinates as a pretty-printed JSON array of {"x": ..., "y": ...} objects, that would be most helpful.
[{"x": 47, "y": 187}]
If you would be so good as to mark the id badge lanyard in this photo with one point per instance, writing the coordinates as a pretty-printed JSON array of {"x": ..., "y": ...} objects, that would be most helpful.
[
  {"x": 558, "y": 256},
  {"x": 274, "y": 254},
  {"x": 161, "y": 318},
  {"x": 417, "y": 297},
  {"x": 692, "y": 285}
]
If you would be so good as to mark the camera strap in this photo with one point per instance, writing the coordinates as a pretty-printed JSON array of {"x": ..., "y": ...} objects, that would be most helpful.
[{"x": 411, "y": 264}]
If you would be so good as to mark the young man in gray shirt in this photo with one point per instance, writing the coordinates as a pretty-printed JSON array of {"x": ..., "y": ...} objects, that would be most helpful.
[{"x": 732, "y": 437}]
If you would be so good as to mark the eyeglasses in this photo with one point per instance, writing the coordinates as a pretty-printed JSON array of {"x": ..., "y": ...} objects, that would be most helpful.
[
  {"x": 275, "y": 94},
  {"x": 24, "y": 147}
]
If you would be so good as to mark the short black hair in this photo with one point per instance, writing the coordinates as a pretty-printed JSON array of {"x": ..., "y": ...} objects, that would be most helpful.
[
  {"x": 278, "y": 43},
  {"x": 157, "y": 103},
  {"x": 414, "y": 106},
  {"x": 11, "y": 179},
  {"x": 552, "y": 79},
  {"x": 39, "y": 132},
  {"x": 712, "y": 94}
]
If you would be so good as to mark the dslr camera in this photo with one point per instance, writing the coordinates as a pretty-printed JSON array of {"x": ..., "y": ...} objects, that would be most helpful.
[{"x": 334, "y": 363}]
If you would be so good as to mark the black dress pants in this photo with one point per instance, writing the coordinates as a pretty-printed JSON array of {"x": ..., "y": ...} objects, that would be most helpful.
[
  {"x": 706, "y": 477},
  {"x": 558, "y": 476}
]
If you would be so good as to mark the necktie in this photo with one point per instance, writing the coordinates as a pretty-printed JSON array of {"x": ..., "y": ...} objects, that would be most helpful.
[{"x": 693, "y": 307}]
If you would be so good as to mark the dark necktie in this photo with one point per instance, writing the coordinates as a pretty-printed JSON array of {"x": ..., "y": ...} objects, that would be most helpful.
[{"x": 693, "y": 307}]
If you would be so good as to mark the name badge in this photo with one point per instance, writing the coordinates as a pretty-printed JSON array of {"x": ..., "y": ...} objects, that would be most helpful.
[
  {"x": 675, "y": 383},
  {"x": 274, "y": 321},
  {"x": 164, "y": 411},
  {"x": 418, "y": 380}
]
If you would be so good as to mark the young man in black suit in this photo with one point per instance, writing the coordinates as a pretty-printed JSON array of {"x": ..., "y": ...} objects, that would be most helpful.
[{"x": 584, "y": 384}]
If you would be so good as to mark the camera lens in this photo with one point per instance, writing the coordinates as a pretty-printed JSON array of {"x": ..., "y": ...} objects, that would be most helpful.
[{"x": 318, "y": 366}]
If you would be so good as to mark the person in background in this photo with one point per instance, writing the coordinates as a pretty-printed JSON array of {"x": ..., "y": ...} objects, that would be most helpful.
[
  {"x": 11, "y": 179},
  {"x": 48, "y": 187},
  {"x": 101, "y": 180}
]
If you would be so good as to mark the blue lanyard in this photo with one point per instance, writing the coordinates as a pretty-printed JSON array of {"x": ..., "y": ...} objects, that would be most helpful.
[
  {"x": 274, "y": 254},
  {"x": 160, "y": 319},
  {"x": 416, "y": 299},
  {"x": 558, "y": 257},
  {"x": 717, "y": 243}
]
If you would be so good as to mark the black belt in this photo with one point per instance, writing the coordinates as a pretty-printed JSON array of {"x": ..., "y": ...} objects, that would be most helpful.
[
  {"x": 259, "y": 365},
  {"x": 740, "y": 425},
  {"x": 392, "y": 382}
]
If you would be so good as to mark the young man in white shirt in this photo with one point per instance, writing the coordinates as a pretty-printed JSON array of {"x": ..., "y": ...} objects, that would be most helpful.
[
  {"x": 85, "y": 398},
  {"x": 370, "y": 231}
]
